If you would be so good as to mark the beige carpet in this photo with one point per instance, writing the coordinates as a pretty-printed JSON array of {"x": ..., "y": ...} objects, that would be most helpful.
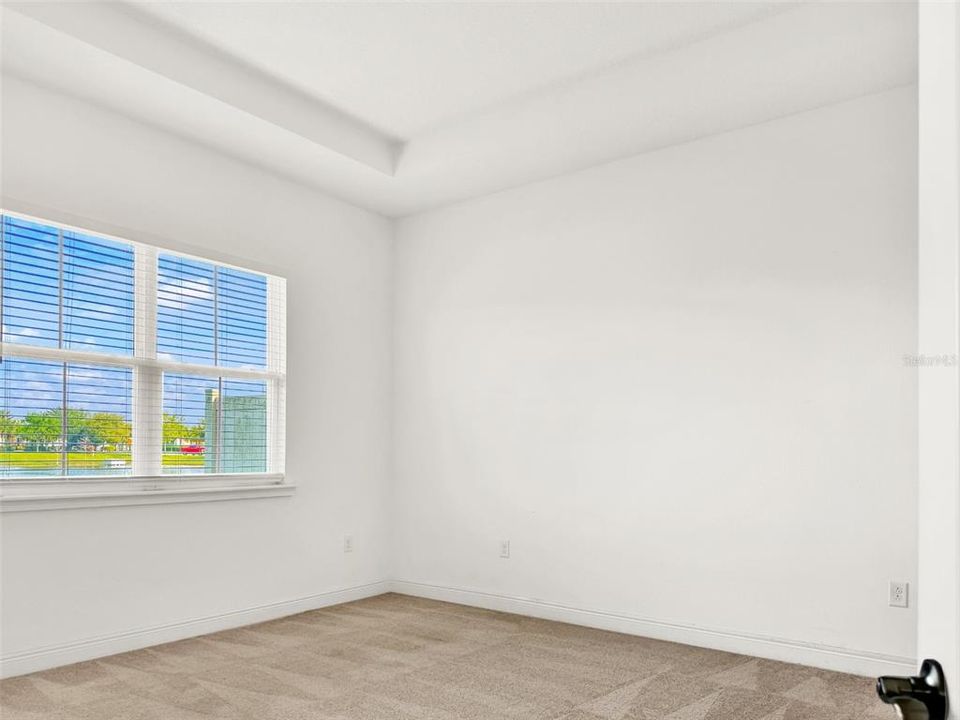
[{"x": 399, "y": 657}]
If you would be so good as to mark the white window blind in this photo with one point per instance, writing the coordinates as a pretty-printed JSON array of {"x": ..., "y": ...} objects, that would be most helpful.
[{"x": 119, "y": 361}]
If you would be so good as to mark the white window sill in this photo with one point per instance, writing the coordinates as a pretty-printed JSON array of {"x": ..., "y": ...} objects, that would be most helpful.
[{"x": 34, "y": 495}]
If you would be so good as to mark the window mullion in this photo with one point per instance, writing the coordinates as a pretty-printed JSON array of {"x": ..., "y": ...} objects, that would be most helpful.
[
  {"x": 147, "y": 379},
  {"x": 218, "y": 458},
  {"x": 64, "y": 466},
  {"x": 276, "y": 392},
  {"x": 216, "y": 316},
  {"x": 64, "y": 431}
]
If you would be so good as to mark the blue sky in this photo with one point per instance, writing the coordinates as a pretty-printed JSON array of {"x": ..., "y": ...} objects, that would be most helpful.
[
  {"x": 97, "y": 289},
  {"x": 197, "y": 301},
  {"x": 204, "y": 312},
  {"x": 34, "y": 386}
]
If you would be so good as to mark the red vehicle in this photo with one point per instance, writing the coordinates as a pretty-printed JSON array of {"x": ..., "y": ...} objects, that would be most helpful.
[{"x": 192, "y": 449}]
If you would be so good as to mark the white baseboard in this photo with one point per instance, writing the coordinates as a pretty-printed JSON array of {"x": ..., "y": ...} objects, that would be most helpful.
[
  {"x": 823, "y": 656},
  {"x": 91, "y": 648},
  {"x": 857, "y": 662}
]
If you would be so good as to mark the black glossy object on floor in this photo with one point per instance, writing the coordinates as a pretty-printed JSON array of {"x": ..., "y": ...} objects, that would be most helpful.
[{"x": 921, "y": 697}]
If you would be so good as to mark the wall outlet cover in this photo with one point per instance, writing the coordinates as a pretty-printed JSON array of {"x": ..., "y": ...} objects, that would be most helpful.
[{"x": 899, "y": 593}]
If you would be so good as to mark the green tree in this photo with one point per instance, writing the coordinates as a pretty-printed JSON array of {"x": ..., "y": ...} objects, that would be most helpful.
[
  {"x": 174, "y": 429},
  {"x": 198, "y": 432},
  {"x": 111, "y": 428},
  {"x": 9, "y": 429},
  {"x": 79, "y": 430},
  {"x": 42, "y": 429}
]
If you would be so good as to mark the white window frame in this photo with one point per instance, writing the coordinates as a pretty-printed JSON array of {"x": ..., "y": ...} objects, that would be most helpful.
[{"x": 147, "y": 485}]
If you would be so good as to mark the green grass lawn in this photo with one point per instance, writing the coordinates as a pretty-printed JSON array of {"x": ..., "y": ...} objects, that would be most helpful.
[{"x": 45, "y": 460}]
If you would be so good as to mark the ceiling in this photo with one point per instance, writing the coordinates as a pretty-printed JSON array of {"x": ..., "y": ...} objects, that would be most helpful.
[
  {"x": 408, "y": 68},
  {"x": 402, "y": 107}
]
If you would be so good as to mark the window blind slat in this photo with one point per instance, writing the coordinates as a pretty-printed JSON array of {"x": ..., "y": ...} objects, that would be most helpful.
[
  {"x": 39, "y": 307},
  {"x": 82, "y": 286}
]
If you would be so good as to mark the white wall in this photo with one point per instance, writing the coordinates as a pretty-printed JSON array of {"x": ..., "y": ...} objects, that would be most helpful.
[
  {"x": 80, "y": 575},
  {"x": 675, "y": 383}
]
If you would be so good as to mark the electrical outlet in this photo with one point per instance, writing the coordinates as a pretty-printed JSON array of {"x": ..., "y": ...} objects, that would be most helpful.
[
  {"x": 348, "y": 543},
  {"x": 899, "y": 594},
  {"x": 504, "y": 548}
]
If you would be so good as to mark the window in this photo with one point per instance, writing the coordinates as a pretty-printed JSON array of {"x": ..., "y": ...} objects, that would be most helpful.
[{"x": 124, "y": 362}]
